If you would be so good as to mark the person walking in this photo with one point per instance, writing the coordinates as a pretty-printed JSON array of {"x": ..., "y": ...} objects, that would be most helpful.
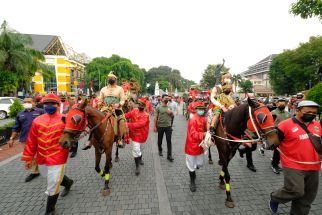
[
  {"x": 280, "y": 114},
  {"x": 300, "y": 161},
  {"x": 162, "y": 124},
  {"x": 22, "y": 126},
  {"x": 174, "y": 108},
  {"x": 42, "y": 143},
  {"x": 197, "y": 128},
  {"x": 139, "y": 131}
]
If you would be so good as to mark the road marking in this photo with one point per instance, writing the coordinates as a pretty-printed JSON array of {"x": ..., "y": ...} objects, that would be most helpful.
[{"x": 164, "y": 203}]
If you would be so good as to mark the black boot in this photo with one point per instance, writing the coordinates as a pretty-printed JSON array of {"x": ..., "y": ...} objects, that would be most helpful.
[
  {"x": 51, "y": 202},
  {"x": 141, "y": 161},
  {"x": 137, "y": 165},
  {"x": 74, "y": 150},
  {"x": 31, "y": 176},
  {"x": 192, "y": 181},
  {"x": 67, "y": 183},
  {"x": 249, "y": 159}
]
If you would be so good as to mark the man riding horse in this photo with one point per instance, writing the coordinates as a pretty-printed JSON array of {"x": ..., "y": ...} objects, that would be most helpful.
[{"x": 112, "y": 98}]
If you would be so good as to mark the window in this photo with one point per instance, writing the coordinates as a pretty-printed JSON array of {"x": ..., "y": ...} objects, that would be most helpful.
[
  {"x": 5, "y": 101},
  {"x": 50, "y": 82}
]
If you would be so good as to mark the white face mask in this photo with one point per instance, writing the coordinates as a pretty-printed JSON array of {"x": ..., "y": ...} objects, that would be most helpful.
[{"x": 27, "y": 106}]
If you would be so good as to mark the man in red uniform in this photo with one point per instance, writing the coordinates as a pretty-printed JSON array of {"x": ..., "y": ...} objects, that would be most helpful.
[
  {"x": 139, "y": 130},
  {"x": 197, "y": 128},
  {"x": 42, "y": 143},
  {"x": 301, "y": 163}
]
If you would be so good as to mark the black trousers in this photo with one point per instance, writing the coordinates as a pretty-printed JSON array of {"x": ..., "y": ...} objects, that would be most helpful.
[
  {"x": 300, "y": 187},
  {"x": 249, "y": 154},
  {"x": 168, "y": 134},
  {"x": 276, "y": 158}
]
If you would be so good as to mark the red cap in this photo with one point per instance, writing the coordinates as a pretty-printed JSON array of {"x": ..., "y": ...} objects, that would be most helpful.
[
  {"x": 51, "y": 98},
  {"x": 142, "y": 100}
]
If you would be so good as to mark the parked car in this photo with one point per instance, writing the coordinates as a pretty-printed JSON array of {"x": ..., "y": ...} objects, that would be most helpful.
[{"x": 5, "y": 103}]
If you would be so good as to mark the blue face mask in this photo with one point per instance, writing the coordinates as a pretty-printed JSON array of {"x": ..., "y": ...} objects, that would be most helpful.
[
  {"x": 200, "y": 112},
  {"x": 50, "y": 109}
]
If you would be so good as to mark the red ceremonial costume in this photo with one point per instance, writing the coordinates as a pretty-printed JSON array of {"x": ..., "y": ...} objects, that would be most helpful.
[
  {"x": 43, "y": 140},
  {"x": 197, "y": 126},
  {"x": 139, "y": 125},
  {"x": 297, "y": 146}
]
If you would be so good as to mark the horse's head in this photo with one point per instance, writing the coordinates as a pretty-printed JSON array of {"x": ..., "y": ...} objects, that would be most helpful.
[
  {"x": 261, "y": 122},
  {"x": 76, "y": 123}
]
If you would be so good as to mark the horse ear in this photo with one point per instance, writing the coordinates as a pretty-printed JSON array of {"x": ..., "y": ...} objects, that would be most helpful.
[
  {"x": 266, "y": 100},
  {"x": 83, "y": 104},
  {"x": 251, "y": 102}
]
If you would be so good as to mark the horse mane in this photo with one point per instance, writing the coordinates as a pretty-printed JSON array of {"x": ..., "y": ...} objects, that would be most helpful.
[{"x": 235, "y": 120}]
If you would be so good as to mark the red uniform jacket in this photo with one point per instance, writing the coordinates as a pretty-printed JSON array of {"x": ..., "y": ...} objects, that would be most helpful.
[
  {"x": 197, "y": 126},
  {"x": 42, "y": 140},
  {"x": 148, "y": 105},
  {"x": 139, "y": 125},
  {"x": 192, "y": 106}
]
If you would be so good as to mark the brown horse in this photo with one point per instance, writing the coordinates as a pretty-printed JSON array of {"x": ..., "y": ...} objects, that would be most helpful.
[
  {"x": 103, "y": 135},
  {"x": 229, "y": 132}
]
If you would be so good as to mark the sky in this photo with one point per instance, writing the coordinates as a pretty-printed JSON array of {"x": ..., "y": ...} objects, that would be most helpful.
[{"x": 186, "y": 35}]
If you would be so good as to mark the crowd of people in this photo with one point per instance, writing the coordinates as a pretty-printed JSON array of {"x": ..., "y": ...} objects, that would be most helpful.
[{"x": 39, "y": 126}]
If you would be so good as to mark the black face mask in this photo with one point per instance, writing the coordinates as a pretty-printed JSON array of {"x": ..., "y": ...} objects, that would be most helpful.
[
  {"x": 111, "y": 81},
  {"x": 141, "y": 108},
  {"x": 227, "y": 92},
  {"x": 281, "y": 107},
  {"x": 308, "y": 117},
  {"x": 166, "y": 101}
]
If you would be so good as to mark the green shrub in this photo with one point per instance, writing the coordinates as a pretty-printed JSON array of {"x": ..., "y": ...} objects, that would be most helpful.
[
  {"x": 315, "y": 94},
  {"x": 15, "y": 108}
]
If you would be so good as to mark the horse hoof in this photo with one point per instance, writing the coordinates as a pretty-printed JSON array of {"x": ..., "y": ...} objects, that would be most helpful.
[
  {"x": 106, "y": 192},
  {"x": 222, "y": 186},
  {"x": 229, "y": 204},
  {"x": 210, "y": 162},
  {"x": 116, "y": 159}
]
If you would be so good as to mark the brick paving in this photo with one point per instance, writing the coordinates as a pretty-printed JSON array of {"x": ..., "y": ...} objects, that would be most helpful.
[{"x": 162, "y": 187}]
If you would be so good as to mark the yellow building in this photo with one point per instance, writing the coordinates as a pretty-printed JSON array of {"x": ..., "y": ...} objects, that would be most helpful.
[{"x": 68, "y": 66}]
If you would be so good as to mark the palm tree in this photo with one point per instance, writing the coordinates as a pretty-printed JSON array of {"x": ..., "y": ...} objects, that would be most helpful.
[
  {"x": 18, "y": 62},
  {"x": 236, "y": 79}
]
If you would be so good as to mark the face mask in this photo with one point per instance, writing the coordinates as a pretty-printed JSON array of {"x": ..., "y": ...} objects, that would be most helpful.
[
  {"x": 62, "y": 100},
  {"x": 227, "y": 92},
  {"x": 27, "y": 106},
  {"x": 141, "y": 108},
  {"x": 166, "y": 101},
  {"x": 281, "y": 107},
  {"x": 111, "y": 81},
  {"x": 308, "y": 117},
  {"x": 200, "y": 112},
  {"x": 50, "y": 109}
]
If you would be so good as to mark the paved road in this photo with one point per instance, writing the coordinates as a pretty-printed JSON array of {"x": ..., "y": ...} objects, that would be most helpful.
[{"x": 162, "y": 187}]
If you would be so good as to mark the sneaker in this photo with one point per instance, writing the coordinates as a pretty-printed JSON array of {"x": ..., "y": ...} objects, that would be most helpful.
[
  {"x": 273, "y": 206},
  {"x": 275, "y": 170}
]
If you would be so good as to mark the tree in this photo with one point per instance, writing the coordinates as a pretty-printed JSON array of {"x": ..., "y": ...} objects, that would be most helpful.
[
  {"x": 236, "y": 79},
  {"x": 292, "y": 70},
  {"x": 123, "y": 68},
  {"x": 246, "y": 86},
  {"x": 165, "y": 74},
  {"x": 307, "y": 8},
  {"x": 315, "y": 94},
  {"x": 18, "y": 62},
  {"x": 208, "y": 76}
]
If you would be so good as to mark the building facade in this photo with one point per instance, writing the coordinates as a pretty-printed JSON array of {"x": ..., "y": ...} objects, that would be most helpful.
[
  {"x": 67, "y": 65},
  {"x": 258, "y": 75}
]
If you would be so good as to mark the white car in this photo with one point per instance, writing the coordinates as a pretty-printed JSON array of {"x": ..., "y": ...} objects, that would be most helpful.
[{"x": 5, "y": 103}]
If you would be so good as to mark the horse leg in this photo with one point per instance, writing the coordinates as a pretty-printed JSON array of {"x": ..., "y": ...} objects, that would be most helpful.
[
  {"x": 229, "y": 201},
  {"x": 117, "y": 155},
  {"x": 221, "y": 178},
  {"x": 209, "y": 157},
  {"x": 108, "y": 163},
  {"x": 98, "y": 156}
]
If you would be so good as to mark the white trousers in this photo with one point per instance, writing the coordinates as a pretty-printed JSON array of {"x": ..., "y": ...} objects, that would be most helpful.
[
  {"x": 54, "y": 175},
  {"x": 194, "y": 161},
  {"x": 137, "y": 149}
]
